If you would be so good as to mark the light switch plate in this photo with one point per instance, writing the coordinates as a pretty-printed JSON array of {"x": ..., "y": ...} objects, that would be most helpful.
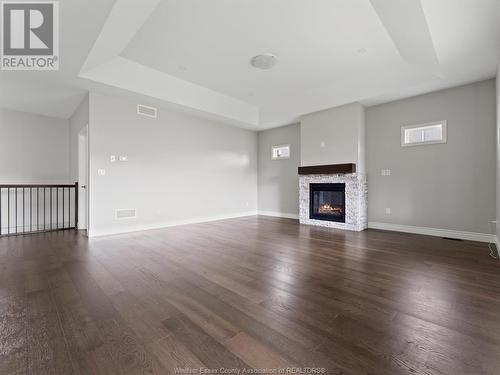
[
  {"x": 123, "y": 158},
  {"x": 112, "y": 158}
]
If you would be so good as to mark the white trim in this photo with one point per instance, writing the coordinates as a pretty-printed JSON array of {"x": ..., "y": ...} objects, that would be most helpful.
[
  {"x": 471, "y": 236},
  {"x": 173, "y": 223},
  {"x": 278, "y": 214},
  {"x": 83, "y": 225}
]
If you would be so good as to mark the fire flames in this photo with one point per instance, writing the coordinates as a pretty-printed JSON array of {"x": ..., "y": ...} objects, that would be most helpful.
[{"x": 329, "y": 209}]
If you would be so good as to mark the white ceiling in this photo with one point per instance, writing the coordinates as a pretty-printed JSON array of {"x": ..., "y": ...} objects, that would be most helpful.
[
  {"x": 195, "y": 54},
  {"x": 316, "y": 42}
]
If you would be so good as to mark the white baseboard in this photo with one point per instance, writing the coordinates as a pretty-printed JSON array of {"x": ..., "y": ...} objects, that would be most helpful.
[
  {"x": 471, "y": 236},
  {"x": 278, "y": 214},
  {"x": 139, "y": 228}
]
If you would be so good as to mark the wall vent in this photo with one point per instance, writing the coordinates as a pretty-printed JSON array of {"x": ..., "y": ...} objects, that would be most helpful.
[
  {"x": 125, "y": 213},
  {"x": 147, "y": 111}
]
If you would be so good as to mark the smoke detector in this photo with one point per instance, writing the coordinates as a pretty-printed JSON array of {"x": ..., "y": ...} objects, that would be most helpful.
[{"x": 264, "y": 61}]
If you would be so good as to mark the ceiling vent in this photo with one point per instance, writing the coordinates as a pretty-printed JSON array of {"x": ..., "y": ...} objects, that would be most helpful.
[
  {"x": 147, "y": 111},
  {"x": 125, "y": 213}
]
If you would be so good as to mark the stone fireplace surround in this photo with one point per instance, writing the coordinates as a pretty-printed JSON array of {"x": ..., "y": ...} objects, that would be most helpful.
[{"x": 356, "y": 197}]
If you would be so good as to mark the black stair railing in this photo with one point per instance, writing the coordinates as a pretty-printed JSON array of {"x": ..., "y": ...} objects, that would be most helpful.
[{"x": 37, "y": 208}]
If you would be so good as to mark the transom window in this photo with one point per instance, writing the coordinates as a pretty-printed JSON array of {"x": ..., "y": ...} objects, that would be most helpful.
[
  {"x": 423, "y": 134},
  {"x": 281, "y": 152}
]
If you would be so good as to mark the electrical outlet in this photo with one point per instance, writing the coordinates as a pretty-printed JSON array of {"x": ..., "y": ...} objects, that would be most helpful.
[
  {"x": 101, "y": 172},
  {"x": 388, "y": 211}
]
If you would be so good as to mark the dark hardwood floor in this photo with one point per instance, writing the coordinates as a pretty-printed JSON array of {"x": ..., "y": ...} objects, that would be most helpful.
[{"x": 255, "y": 292}]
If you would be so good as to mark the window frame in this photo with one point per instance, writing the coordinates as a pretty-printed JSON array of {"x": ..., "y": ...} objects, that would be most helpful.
[
  {"x": 280, "y": 157},
  {"x": 444, "y": 138}
]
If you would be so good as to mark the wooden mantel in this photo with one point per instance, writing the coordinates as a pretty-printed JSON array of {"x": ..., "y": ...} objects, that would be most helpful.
[{"x": 328, "y": 169}]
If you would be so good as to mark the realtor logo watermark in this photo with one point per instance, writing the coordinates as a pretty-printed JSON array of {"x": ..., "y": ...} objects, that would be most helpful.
[{"x": 30, "y": 35}]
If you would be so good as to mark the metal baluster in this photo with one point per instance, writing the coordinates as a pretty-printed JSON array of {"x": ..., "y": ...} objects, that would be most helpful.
[
  {"x": 37, "y": 209},
  {"x": 69, "y": 208},
  {"x": 44, "y": 211},
  {"x": 76, "y": 205},
  {"x": 31, "y": 209},
  {"x": 63, "y": 208},
  {"x": 50, "y": 208},
  {"x": 24, "y": 229},
  {"x": 16, "y": 210},
  {"x": 8, "y": 210}
]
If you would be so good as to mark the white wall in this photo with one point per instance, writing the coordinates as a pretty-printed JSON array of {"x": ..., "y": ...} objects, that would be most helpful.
[
  {"x": 33, "y": 148},
  {"x": 444, "y": 186},
  {"x": 342, "y": 130},
  {"x": 278, "y": 179},
  {"x": 181, "y": 168}
]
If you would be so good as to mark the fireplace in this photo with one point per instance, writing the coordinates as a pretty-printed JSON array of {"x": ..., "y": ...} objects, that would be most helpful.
[
  {"x": 333, "y": 196},
  {"x": 327, "y": 202}
]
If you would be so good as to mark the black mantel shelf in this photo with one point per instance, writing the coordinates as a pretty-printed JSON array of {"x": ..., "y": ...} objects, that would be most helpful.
[{"x": 329, "y": 169}]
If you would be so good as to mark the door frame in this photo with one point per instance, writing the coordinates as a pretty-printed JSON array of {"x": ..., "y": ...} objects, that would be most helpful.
[{"x": 83, "y": 170}]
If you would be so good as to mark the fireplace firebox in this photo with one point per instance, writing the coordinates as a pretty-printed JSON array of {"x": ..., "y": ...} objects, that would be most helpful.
[{"x": 327, "y": 202}]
